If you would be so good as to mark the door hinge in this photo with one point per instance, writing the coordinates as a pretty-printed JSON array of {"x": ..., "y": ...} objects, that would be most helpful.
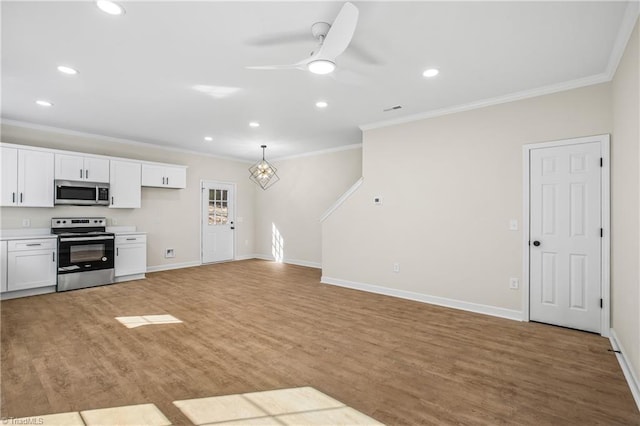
[
  {"x": 601, "y": 161},
  {"x": 601, "y": 232},
  {"x": 600, "y": 303}
]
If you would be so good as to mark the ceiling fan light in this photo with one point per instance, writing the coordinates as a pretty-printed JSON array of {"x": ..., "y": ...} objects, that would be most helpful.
[
  {"x": 110, "y": 7},
  {"x": 321, "y": 66}
]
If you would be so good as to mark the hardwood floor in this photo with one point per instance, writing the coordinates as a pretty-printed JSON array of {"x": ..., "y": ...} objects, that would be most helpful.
[{"x": 255, "y": 325}]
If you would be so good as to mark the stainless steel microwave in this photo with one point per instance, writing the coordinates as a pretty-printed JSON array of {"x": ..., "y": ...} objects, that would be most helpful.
[{"x": 81, "y": 193}]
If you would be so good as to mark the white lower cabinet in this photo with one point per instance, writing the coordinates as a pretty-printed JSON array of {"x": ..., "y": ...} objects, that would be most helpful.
[
  {"x": 3, "y": 266},
  {"x": 31, "y": 263},
  {"x": 131, "y": 256}
]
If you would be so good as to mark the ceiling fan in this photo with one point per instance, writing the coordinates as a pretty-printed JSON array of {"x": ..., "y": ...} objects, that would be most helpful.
[{"x": 333, "y": 41}]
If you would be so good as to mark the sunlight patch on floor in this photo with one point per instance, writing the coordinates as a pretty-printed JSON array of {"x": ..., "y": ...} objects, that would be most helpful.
[
  {"x": 142, "y": 414},
  {"x": 294, "y": 406},
  {"x": 137, "y": 321}
]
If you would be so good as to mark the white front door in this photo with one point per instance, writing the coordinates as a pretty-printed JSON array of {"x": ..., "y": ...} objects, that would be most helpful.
[
  {"x": 565, "y": 236},
  {"x": 218, "y": 202}
]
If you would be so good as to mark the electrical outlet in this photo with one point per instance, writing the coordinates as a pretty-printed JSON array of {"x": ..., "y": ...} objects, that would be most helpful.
[
  {"x": 396, "y": 267},
  {"x": 26, "y": 223},
  {"x": 168, "y": 253},
  {"x": 514, "y": 283}
]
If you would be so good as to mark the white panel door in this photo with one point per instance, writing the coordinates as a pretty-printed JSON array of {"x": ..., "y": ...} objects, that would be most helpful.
[
  {"x": 217, "y": 222},
  {"x": 124, "y": 187},
  {"x": 9, "y": 176},
  {"x": 152, "y": 175},
  {"x": 3, "y": 266},
  {"x": 96, "y": 170},
  {"x": 130, "y": 259},
  {"x": 69, "y": 167},
  {"x": 31, "y": 269},
  {"x": 565, "y": 231},
  {"x": 176, "y": 177},
  {"x": 35, "y": 178}
]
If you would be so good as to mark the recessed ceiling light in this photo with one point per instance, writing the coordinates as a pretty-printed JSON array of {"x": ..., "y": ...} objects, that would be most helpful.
[
  {"x": 254, "y": 124},
  {"x": 321, "y": 104},
  {"x": 431, "y": 72},
  {"x": 321, "y": 66},
  {"x": 208, "y": 138},
  {"x": 67, "y": 70},
  {"x": 110, "y": 7},
  {"x": 44, "y": 103}
]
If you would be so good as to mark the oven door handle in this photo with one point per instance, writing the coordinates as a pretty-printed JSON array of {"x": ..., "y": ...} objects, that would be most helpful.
[{"x": 106, "y": 237}]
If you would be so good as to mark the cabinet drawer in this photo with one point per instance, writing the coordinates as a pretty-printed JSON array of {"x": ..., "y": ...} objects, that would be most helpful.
[
  {"x": 20, "y": 245},
  {"x": 130, "y": 239}
]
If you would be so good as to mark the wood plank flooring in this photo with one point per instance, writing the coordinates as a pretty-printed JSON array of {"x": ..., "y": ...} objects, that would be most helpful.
[{"x": 255, "y": 325}]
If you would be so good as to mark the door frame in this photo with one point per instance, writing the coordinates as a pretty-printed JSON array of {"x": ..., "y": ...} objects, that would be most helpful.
[
  {"x": 605, "y": 205},
  {"x": 235, "y": 195}
]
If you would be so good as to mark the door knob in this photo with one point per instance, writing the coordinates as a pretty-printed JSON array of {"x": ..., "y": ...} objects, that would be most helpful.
[{"x": 536, "y": 243}]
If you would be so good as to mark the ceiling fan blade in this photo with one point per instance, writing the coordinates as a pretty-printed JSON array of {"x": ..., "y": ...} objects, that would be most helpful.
[
  {"x": 341, "y": 32},
  {"x": 279, "y": 38},
  {"x": 302, "y": 65},
  {"x": 277, "y": 67}
]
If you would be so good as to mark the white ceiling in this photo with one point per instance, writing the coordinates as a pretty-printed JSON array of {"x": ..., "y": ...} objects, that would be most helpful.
[{"x": 137, "y": 72}]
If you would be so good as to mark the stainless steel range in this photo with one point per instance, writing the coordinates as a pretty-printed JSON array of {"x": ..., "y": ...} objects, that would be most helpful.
[{"x": 85, "y": 252}]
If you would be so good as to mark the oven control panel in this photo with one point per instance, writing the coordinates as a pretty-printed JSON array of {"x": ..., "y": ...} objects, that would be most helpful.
[{"x": 77, "y": 222}]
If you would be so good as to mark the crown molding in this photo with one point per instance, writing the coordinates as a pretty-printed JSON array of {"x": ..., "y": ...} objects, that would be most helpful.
[
  {"x": 525, "y": 94},
  {"x": 320, "y": 152},
  {"x": 622, "y": 39},
  {"x": 629, "y": 20},
  {"x": 61, "y": 131}
]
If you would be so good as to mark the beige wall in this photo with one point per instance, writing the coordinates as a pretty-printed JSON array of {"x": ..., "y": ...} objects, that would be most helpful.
[
  {"x": 625, "y": 211},
  {"x": 309, "y": 186},
  {"x": 449, "y": 186},
  {"x": 170, "y": 217}
]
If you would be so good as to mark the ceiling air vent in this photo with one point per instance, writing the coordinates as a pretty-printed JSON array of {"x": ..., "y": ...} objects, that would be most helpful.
[{"x": 392, "y": 108}]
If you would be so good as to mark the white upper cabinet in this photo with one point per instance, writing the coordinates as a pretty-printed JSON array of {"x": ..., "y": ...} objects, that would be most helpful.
[
  {"x": 27, "y": 178},
  {"x": 9, "y": 175},
  {"x": 124, "y": 188},
  {"x": 75, "y": 167},
  {"x": 162, "y": 176}
]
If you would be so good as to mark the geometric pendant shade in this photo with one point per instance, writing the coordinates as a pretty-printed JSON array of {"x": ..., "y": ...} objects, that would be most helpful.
[{"x": 263, "y": 173}]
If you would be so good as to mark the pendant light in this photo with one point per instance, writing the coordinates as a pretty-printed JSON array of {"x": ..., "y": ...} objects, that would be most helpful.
[{"x": 263, "y": 173}]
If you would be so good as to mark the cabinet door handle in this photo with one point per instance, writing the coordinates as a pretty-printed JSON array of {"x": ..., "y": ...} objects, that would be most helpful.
[
  {"x": 13, "y": 197},
  {"x": 111, "y": 200},
  {"x": 34, "y": 244},
  {"x": 117, "y": 251},
  {"x": 54, "y": 256},
  {"x": 167, "y": 180},
  {"x": 86, "y": 174},
  {"x": 80, "y": 173},
  {"x": 21, "y": 197},
  {"x": 131, "y": 239}
]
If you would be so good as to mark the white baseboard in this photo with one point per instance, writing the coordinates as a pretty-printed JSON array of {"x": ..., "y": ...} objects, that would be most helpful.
[
  {"x": 28, "y": 292},
  {"x": 425, "y": 298},
  {"x": 169, "y": 266},
  {"x": 627, "y": 367},
  {"x": 290, "y": 261},
  {"x": 246, "y": 257}
]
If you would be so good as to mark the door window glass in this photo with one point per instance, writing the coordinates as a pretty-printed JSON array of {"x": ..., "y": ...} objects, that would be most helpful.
[{"x": 218, "y": 207}]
